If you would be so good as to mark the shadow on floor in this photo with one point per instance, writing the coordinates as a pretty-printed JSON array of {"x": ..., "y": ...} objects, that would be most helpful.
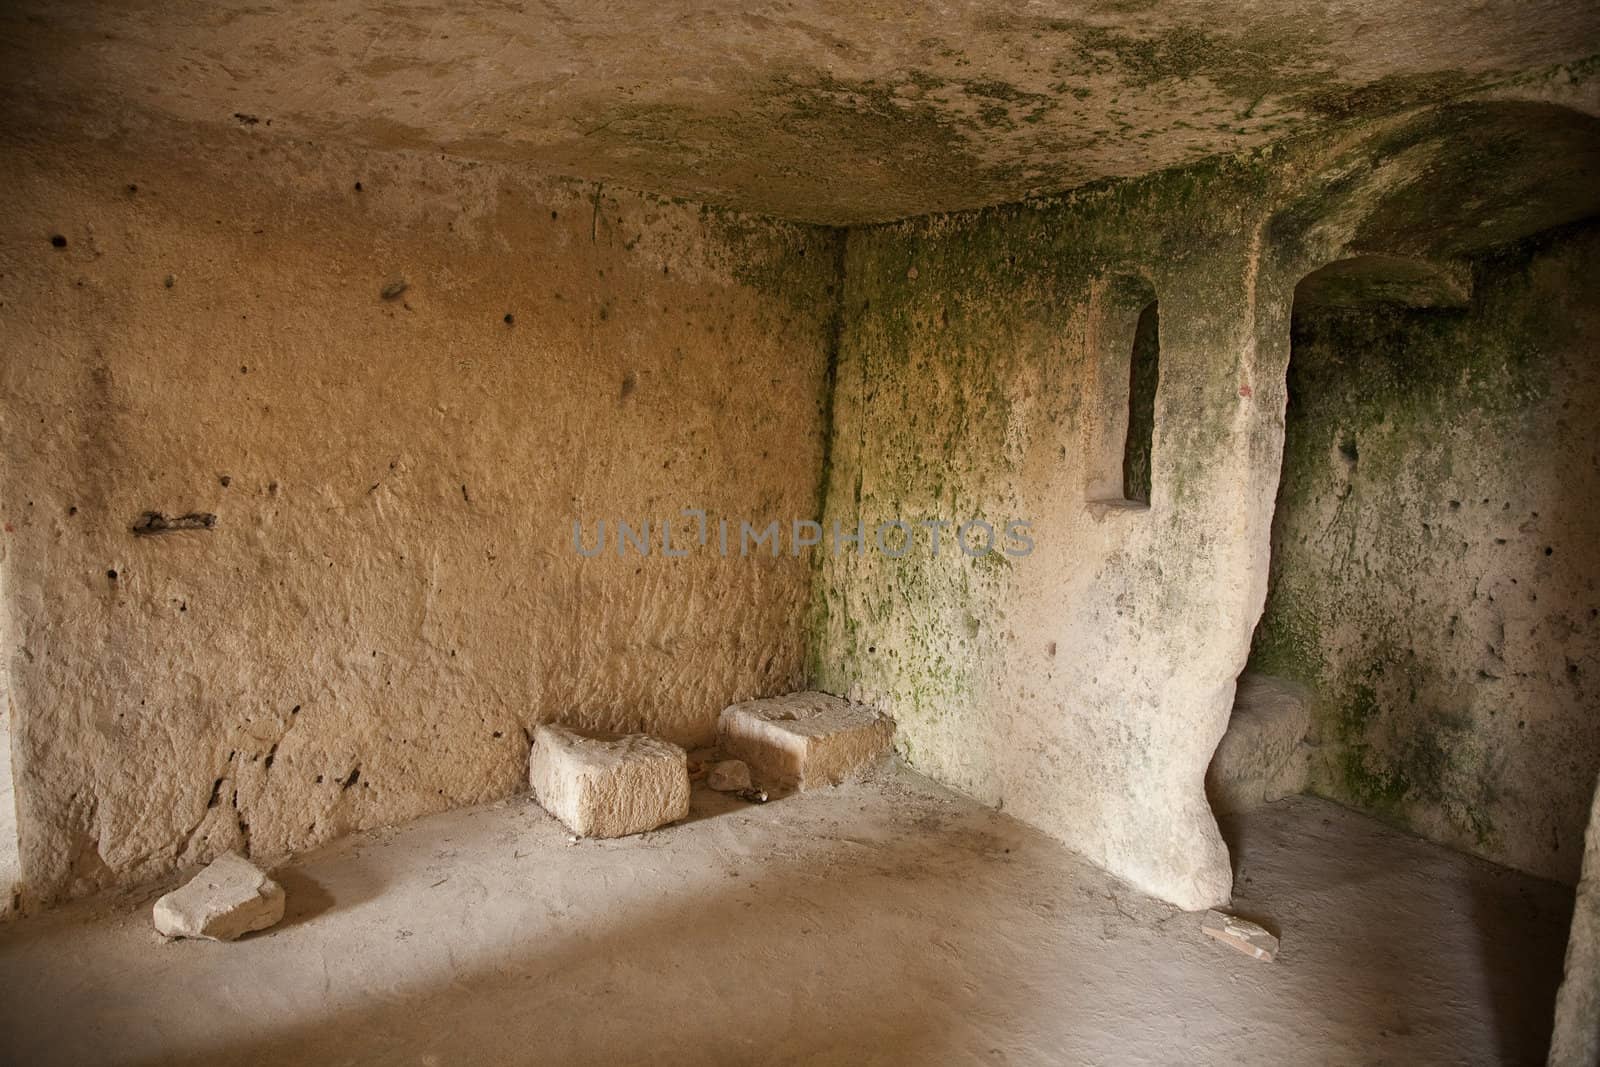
[
  {"x": 883, "y": 923},
  {"x": 636, "y": 987},
  {"x": 1378, "y": 941}
]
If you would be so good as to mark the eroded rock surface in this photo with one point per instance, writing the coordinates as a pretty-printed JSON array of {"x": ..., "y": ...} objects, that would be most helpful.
[
  {"x": 386, "y": 603},
  {"x": 836, "y": 113}
]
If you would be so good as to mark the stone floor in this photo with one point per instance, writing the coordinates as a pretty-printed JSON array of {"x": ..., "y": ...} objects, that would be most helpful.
[{"x": 884, "y": 922}]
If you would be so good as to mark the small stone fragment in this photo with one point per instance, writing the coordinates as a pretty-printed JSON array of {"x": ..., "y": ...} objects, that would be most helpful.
[
  {"x": 229, "y": 898},
  {"x": 729, "y": 776},
  {"x": 608, "y": 786},
  {"x": 753, "y": 796},
  {"x": 1240, "y": 934},
  {"x": 394, "y": 288}
]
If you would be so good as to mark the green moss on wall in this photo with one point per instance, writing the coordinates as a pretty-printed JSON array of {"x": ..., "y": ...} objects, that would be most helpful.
[
  {"x": 963, "y": 362},
  {"x": 958, "y": 360},
  {"x": 1409, "y": 536}
]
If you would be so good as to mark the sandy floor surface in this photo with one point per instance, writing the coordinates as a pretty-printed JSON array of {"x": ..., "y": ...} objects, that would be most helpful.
[{"x": 884, "y": 922}]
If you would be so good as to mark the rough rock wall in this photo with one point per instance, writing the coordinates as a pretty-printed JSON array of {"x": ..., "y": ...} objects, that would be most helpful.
[
  {"x": 983, "y": 373},
  {"x": 1434, "y": 576},
  {"x": 389, "y": 599},
  {"x": 1084, "y": 686},
  {"x": 10, "y": 857},
  {"x": 1575, "y": 1041}
]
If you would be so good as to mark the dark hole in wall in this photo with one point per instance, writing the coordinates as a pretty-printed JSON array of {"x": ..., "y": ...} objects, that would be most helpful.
[{"x": 1144, "y": 372}]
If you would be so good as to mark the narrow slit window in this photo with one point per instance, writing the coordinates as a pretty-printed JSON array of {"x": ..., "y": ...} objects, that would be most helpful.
[{"x": 1144, "y": 371}]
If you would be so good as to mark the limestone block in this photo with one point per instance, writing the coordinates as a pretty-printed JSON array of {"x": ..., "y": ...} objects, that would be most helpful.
[
  {"x": 804, "y": 740},
  {"x": 729, "y": 776},
  {"x": 1240, "y": 934},
  {"x": 608, "y": 786},
  {"x": 229, "y": 898},
  {"x": 1263, "y": 756}
]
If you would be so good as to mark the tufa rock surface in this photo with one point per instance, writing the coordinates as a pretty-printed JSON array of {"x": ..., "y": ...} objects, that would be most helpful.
[
  {"x": 405, "y": 709},
  {"x": 966, "y": 98}
]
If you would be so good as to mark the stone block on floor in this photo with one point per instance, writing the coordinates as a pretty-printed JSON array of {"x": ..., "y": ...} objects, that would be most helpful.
[
  {"x": 227, "y": 900},
  {"x": 1263, "y": 756},
  {"x": 804, "y": 740},
  {"x": 608, "y": 786}
]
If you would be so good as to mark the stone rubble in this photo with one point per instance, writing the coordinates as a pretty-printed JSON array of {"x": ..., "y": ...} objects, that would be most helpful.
[
  {"x": 1240, "y": 934},
  {"x": 728, "y": 776}
]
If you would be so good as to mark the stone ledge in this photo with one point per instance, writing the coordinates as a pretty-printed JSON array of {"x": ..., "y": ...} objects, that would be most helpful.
[{"x": 1263, "y": 756}]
